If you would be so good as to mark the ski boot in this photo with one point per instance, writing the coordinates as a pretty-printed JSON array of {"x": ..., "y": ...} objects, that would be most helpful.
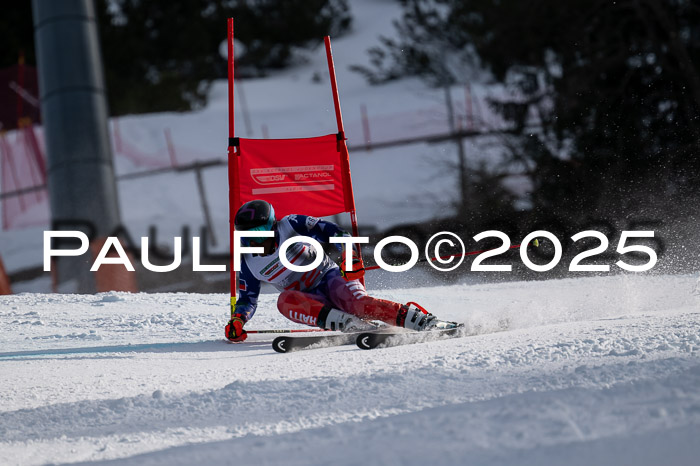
[
  {"x": 335, "y": 319},
  {"x": 414, "y": 317}
]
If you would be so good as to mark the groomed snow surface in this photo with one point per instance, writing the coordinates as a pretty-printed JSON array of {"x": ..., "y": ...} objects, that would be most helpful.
[{"x": 593, "y": 371}]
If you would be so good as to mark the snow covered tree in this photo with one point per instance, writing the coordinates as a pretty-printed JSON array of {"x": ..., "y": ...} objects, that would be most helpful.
[
  {"x": 613, "y": 84},
  {"x": 161, "y": 55}
]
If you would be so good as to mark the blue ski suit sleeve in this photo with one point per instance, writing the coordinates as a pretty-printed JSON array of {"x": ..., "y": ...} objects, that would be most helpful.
[
  {"x": 320, "y": 230},
  {"x": 248, "y": 291}
]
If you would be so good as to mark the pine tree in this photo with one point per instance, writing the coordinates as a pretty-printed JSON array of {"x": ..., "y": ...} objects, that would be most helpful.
[{"x": 613, "y": 84}]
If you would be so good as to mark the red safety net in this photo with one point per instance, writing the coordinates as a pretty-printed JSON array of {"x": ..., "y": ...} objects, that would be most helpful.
[
  {"x": 308, "y": 176},
  {"x": 19, "y": 96},
  {"x": 23, "y": 181}
]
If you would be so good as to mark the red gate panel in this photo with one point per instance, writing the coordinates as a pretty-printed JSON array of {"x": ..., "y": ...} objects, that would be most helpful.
[{"x": 302, "y": 176}]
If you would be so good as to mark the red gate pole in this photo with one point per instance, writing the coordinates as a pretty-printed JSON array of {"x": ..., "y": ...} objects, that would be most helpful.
[
  {"x": 20, "y": 83},
  {"x": 334, "y": 86},
  {"x": 233, "y": 199},
  {"x": 365, "y": 127},
  {"x": 171, "y": 147},
  {"x": 5, "y": 287},
  {"x": 345, "y": 157},
  {"x": 468, "y": 102},
  {"x": 4, "y": 157}
]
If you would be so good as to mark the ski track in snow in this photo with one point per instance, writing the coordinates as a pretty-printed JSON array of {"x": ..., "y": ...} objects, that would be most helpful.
[{"x": 602, "y": 370}]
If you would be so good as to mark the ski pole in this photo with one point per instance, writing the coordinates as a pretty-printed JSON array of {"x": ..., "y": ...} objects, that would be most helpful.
[{"x": 289, "y": 330}]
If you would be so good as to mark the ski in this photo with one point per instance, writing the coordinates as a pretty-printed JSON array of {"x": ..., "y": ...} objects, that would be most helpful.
[
  {"x": 289, "y": 343},
  {"x": 371, "y": 340}
]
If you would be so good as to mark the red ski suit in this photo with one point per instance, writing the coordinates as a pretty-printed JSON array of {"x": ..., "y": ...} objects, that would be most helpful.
[{"x": 335, "y": 291}]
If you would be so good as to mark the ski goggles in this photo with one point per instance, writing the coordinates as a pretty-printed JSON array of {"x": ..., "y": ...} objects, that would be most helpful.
[
  {"x": 253, "y": 241},
  {"x": 256, "y": 240}
]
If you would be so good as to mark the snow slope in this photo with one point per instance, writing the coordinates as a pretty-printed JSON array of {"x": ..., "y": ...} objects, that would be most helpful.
[{"x": 599, "y": 370}]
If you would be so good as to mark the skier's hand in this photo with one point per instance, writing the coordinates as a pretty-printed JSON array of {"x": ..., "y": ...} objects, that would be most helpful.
[
  {"x": 234, "y": 329},
  {"x": 341, "y": 246},
  {"x": 356, "y": 269}
]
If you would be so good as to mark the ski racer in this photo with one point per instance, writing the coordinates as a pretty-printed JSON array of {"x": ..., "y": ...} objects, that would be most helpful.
[{"x": 324, "y": 297}]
